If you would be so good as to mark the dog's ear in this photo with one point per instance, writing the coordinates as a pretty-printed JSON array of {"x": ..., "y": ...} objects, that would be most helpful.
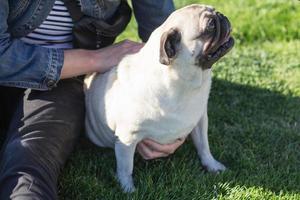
[{"x": 169, "y": 46}]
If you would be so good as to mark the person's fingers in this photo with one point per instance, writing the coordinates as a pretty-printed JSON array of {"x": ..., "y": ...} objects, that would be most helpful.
[
  {"x": 130, "y": 44},
  {"x": 147, "y": 153},
  {"x": 132, "y": 47},
  {"x": 110, "y": 56},
  {"x": 164, "y": 148}
]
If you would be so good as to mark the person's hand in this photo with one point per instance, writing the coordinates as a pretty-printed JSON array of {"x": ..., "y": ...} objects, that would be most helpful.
[
  {"x": 150, "y": 149},
  {"x": 80, "y": 61},
  {"x": 110, "y": 56}
]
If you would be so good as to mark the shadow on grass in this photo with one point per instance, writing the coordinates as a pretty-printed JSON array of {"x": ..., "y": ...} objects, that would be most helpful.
[
  {"x": 254, "y": 132},
  {"x": 257, "y": 132}
]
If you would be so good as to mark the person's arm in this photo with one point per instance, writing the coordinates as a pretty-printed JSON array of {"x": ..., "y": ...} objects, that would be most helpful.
[
  {"x": 23, "y": 65},
  {"x": 31, "y": 66},
  {"x": 150, "y": 14},
  {"x": 78, "y": 62}
]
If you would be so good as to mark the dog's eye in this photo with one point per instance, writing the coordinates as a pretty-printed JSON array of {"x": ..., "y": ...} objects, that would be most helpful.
[{"x": 211, "y": 25}]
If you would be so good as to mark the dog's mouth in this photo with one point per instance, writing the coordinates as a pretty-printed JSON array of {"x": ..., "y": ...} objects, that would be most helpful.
[
  {"x": 221, "y": 50},
  {"x": 221, "y": 43}
]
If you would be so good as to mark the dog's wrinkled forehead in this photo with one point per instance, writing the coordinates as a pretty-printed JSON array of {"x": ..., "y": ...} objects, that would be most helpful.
[
  {"x": 200, "y": 8},
  {"x": 192, "y": 11},
  {"x": 194, "y": 16}
]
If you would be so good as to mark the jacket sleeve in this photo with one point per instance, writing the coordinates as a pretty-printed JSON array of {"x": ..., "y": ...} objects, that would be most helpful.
[
  {"x": 150, "y": 14},
  {"x": 24, "y": 65}
]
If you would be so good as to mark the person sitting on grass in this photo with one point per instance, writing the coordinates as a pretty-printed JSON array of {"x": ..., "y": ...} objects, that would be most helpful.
[{"x": 42, "y": 99}]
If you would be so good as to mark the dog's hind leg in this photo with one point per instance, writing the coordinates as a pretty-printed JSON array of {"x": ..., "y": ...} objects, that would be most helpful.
[{"x": 200, "y": 140}]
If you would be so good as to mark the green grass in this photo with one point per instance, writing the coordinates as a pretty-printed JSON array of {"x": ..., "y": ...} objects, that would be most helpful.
[{"x": 254, "y": 126}]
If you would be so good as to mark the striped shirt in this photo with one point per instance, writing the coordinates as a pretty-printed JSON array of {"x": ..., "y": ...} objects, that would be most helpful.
[{"x": 55, "y": 31}]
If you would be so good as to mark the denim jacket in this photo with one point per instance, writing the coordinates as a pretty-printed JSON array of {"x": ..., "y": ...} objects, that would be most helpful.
[{"x": 32, "y": 66}]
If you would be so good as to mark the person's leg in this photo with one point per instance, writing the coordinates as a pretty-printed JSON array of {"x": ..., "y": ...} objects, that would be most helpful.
[
  {"x": 41, "y": 136},
  {"x": 9, "y": 97},
  {"x": 150, "y": 14}
]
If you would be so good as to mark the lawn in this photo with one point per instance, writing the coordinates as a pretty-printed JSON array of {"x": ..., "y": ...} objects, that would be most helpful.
[{"x": 254, "y": 121}]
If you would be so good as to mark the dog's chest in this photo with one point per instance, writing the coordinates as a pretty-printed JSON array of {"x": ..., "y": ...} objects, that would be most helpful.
[
  {"x": 152, "y": 105},
  {"x": 174, "y": 119},
  {"x": 164, "y": 117}
]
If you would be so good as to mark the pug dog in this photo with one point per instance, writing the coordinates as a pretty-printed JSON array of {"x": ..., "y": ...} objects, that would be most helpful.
[{"x": 162, "y": 91}]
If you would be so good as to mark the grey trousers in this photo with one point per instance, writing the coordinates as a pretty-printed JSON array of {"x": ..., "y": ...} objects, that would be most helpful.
[{"x": 39, "y": 130}]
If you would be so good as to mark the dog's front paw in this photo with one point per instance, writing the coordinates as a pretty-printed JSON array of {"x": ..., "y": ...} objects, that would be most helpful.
[
  {"x": 126, "y": 183},
  {"x": 128, "y": 188},
  {"x": 212, "y": 165}
]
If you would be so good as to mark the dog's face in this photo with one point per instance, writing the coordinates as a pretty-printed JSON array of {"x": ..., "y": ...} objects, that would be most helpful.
[{"x": 196, "y": 34}]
